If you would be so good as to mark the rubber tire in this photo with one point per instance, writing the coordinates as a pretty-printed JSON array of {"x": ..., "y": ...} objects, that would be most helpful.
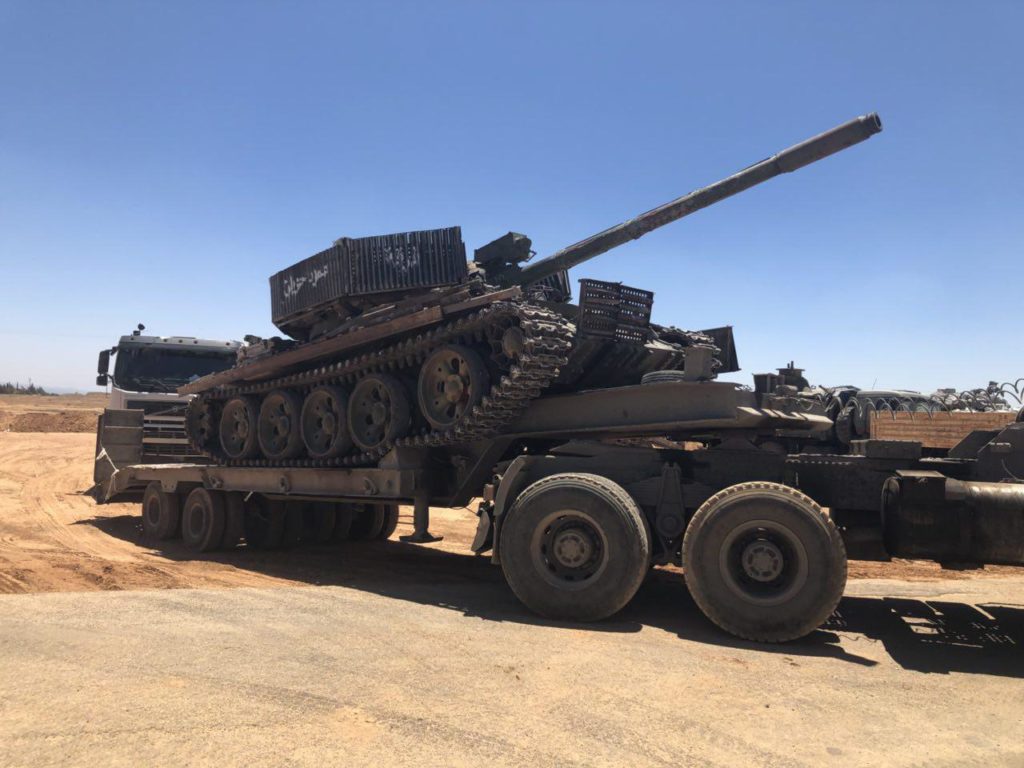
[
  {"x": 615, "y": 513},
  {"x": 206, "y": 509},
  {"x": 826, "y": 562},
  {"x": 234, "y": 520},
  {"x": 264, "y": 522},
  {"x": 344, "y": 514},
  {"x": 390, "y": 522},
  {"x": 661, "y": 377},
  {"x": 318, "y": 519},
  {"x": 367, "y": 522},
  {"x": 163, "y": 521},
  {"x": 294, "y": 515}
]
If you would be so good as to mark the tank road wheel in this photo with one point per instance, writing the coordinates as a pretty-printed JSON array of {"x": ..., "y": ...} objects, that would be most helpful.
[
  {"x": 575, "y": 546},
  {"x": 367, "y": 522},
  {"x": 764, "y": 562},
  {"x": 238, "y": 428},
  {"x": 378, "y": 411},
  {"x": 279, "y": 425},
  {"x": 202, "y": 520},
  {"x": 325, "y": 423},
  {"x": 161, "y": 513},
  {"x": 452, "y": 380},
  {"x": 264, "y": 522}
]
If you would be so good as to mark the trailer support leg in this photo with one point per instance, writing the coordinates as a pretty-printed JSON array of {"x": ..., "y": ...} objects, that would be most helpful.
[{"x": 421, "y": 522}]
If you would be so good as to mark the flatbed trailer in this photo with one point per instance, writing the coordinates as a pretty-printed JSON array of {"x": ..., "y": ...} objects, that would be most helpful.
[{"x": 589, "y": 490}]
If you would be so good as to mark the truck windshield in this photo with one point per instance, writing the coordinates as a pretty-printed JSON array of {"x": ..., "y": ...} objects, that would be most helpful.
[{"x": 155, "y": 369}]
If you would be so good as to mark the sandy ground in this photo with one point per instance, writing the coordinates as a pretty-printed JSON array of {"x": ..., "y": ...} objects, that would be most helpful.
[
  {"x": 57, "y": 413},
  {"x": 377, "y": 652}
]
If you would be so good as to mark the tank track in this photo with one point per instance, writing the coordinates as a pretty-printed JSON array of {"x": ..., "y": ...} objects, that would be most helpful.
[{"x": 548, "y": 339}]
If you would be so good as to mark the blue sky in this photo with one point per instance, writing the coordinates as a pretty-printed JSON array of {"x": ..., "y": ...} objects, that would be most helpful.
[{"x": 159, "y": 161}]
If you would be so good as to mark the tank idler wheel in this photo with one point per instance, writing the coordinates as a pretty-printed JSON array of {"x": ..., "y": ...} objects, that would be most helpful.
[
  {"x": 378, "y": 411},
  {"x": 318, "y": 520},
  {"x": 202, "y": 424},
  {"x": 368, "y": 522},
  {"x": 280, "y": 433},
  {"x": 202, "y": 520},
  {"x": 325, "y": 422},
  {"x": 264, "y": 522},
  {"x": 238, "y": 428},
  {"x": 575, "y": 547},
  {"x": 452, "y": 380},
  {"x": 161, "y": 513},
  {"x": 764, "y": 562}
]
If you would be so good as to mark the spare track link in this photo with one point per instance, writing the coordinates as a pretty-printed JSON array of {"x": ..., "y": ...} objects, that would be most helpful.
[{"x": 548, "y": 341}]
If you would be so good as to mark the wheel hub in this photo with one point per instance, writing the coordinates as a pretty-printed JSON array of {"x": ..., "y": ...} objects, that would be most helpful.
[
  {"x": 328, "y": 423},
  {"x": 454, "y": 387},
  {"x": 762, "y": 561},
  {"x": 378, "y": 413},
  {"x": 512, "y": 342},
  {"x": 572, "y": 548}
]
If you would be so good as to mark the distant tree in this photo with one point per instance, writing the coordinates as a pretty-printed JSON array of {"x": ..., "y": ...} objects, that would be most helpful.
[{"x": 7, "y": 388}]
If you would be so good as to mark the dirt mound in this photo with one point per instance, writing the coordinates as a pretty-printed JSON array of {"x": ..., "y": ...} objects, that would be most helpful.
[{"x": 54, "y": 421}]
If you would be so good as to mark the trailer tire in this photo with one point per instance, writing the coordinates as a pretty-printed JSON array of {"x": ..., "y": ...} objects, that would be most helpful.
[
  {"x": 344, "y": 515},
  {"x": 294, "y": 521},
  {"x": 202, "y": 520},
  {"x": 575, "y": 546},
  {"x": 234, "y": 520},
  {"x": 161, "y": 513},
  {"x": 764, "y": 562},
  {"x": 318, "y": 521},
  {"x": 264, "y": 522},
  {"x": 390, "y": 522},
  {"x": 367, "y": 522}
]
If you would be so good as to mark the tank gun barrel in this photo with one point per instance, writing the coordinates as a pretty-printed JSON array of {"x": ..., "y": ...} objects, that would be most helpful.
[{"x": 797, "y": 156}]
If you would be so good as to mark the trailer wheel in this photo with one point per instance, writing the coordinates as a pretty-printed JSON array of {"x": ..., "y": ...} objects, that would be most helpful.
[
  {"x": 390, "y": 521},
  {"x": 344, "y": 514},
  {"x": 264, "y": 522},
  {"x": 161, "y": 513},
  {"x": 575, "y": 546},
  {"x": 367, "y": 522},
  {"x": 318, "y": 521},
  {"x": 202, "y": 520},
  {"x": 234, "y": 519},
  {"x": 764, "y": 562}
]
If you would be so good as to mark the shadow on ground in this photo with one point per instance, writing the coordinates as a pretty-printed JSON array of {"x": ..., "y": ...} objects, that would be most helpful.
[{"x": 919, "y": 635}]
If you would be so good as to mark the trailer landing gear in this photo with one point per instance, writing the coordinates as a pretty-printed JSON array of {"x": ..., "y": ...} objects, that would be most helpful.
[{"x": 420, "y": 523}]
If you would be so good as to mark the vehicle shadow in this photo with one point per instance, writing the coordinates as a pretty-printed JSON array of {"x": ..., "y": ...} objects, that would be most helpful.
[{"x": 919, "y": 635}]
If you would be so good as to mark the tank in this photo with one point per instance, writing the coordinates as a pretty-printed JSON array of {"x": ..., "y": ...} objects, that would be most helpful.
[{"x": 398, "y": 341}]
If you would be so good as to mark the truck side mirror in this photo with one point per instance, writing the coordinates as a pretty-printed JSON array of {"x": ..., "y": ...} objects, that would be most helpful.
[{"x": 102, "y": 366}]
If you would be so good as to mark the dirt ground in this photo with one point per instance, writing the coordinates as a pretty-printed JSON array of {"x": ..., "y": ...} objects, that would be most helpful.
[{"x": 51, "y": 413}]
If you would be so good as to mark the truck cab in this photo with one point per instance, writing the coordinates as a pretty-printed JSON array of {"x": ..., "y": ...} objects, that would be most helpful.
[{"x": 144, "y": 421}]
